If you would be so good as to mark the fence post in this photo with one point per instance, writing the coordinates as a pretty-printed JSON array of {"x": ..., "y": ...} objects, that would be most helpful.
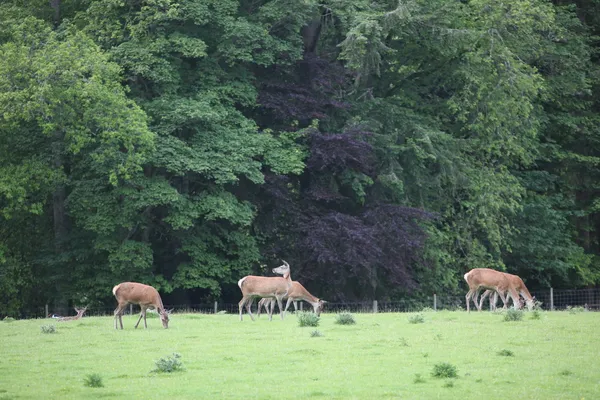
[
  {"x": 551, "y": 299},
  {"x": 216, "y": 307},
  {"x": 301, "y": 308},
  {"x": 130, "y": 309},
  {"x": 434, "y": 302},
  {"x": 375, "y": 306},
  {"x": 46, "y": 315}
]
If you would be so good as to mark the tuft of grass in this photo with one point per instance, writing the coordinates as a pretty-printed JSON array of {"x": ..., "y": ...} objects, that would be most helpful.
[
  {"x": 575, "y": 310},
  {"x": 316, "y": 333},
  {"x": 419, "y": 379},
  {"x": 506, "y": 353},
  {"x": 513, "y": 315},
  {"x": 536, "y": 314},
  {"x": 444, "y": 370},
  {"x": 449, "y": 384},
  {"x": 402, "y": 342},
  {"x": 48, "y": 328},
  {"x": 8, "y": 319},
  {"x": 93, "y": 380},
  {"x": 222, "y": 312},
  {"x": 416, "y": 319},
  {"x": 306, "y": 318},
  {"x": 427, "y": 309},
  {"x": 345, "y": 318},
  {"x": 169, "y": 364},
  {"x": 566, "y": 372}
]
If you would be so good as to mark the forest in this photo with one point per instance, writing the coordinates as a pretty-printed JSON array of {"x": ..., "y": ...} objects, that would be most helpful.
[{"x": 382, "y": 148}]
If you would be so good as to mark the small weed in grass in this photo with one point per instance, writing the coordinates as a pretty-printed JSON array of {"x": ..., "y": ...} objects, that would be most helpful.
[
  {"x": 306, "y": 318},
  {"x": 444, "y": 370},
  {"x": 449, "y": 384},
  {"x": 513, "y": 315},
  {"x": 345, "y": 318},
  {"x": 506, "y": 353},
  {"x": 169, "y": 363},
  {"x": 48, "y": 328},
  {"x": 93, "y": 380},
  {"x": 566, "y": 372},
  {"x": 575, "y": 310},
  {"x": 8, "y": 319},
  {"x": 416, "y": 319},
  {"x": 439, "y": 336},
  {"x": 316, "y": 334},
  {"x": 536, "y": 314},
  {"x": 419, "y": 379},
  {"x": 402, "y": 342}
]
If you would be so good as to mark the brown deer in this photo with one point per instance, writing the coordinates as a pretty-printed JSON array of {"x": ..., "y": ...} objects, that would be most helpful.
[
  {"x": 262, "y": 286},
  {"x": 143, "y": 295},
  {"x": 79, "y": 312},
  {"x": 296, "y": 293},
  {"x": 517, "y": 283},
  {"x": 485, "y": 278}
]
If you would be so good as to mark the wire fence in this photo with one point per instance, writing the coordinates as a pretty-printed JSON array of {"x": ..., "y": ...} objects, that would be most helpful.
[{"x": 550, "y": 300}]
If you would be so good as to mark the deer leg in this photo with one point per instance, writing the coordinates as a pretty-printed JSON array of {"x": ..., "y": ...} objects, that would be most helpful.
[
  {"x": 241, "y": 307},
  {"x": 295, "y": 306},
  {"x": 287, "y": 304},
  {"x": 483, "y": 297},
  {"x": 249, "y": 307},
  {"x": 118, "y": 312},
  {"x": 279, "y": 303},
  {"x": 468, "y": 298},
  {"x": 142, "y": 314}
]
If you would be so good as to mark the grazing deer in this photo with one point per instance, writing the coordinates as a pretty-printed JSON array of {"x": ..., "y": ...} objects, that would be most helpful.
[
  {"x": 485, "y": 278},
  {"x": 262, "y": 286},
  {"x": 143, "y": 295},
  {"x": 519, "y": 286},
  {"x": 296, "y": 293},
  {"x": 79, "y": 312}
]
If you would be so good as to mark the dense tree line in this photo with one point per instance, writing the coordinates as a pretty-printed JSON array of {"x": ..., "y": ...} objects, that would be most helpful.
[{"x": 382, "y": 148}]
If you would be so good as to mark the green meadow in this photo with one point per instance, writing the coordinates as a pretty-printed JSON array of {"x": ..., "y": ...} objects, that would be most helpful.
[{"x": 382, "y": 356}]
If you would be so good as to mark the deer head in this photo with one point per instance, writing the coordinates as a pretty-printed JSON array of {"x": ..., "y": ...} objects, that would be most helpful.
[{"x": 282, "y": 269}]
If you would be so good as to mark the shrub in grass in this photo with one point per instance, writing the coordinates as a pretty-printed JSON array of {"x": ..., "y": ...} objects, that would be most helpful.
[
  {"x": 513, "y": 315},
  {"x": 506, "y": 353},
  {"x": 316, "y": 334},
  {"x": 8, "y": 319},
  {"x": 427, "y": 309},
  {"x": 444, "y": 370},
  {"x": 48, "y": 328},
  {"x": 306, "y": 318},
  {"x": 536, "y": 314},
  {"x": 345, "y": 318},
  {"x": 419, "y": 379},
  {"x": 575, "y": 310},
  {"x": 449, "y": 384},
  {"x": 169, "y": 363},
  {"x": 416, "y": 319},
  {"x": 93, "y": 380}
]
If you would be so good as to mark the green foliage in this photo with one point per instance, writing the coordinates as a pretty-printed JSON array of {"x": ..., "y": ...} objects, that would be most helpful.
[
  {"x": 93, "y": 381},
  {"x": 444, "y": 370},
  {"x": 536, "y": 314},
  {"x": 506, "y": 353},
  {"x": 575, "y": 309},
  {"x": 345, "y": 318},
  {"x": 512, "y": 314},
  {"x": 416, "y": 319},
  {"x": 8, "y": 319},
  {"x": 316, "y": 333},
  {"x": 306, "y": 318},
  {"x": 419, "y": 379},
  {"x": 169, "y": 364},
  {"x": 48, "y": 328}
]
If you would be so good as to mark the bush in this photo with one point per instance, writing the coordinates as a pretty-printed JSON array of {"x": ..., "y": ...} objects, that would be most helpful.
[
  {"x": 93, "y": 380},
  {"x": 505, "y": 353},
  {"x": 513, "y": 315},
  {"x": 416, "y": 319},
  {"x": 316, "y": 334},
  {"x": 169, "y": 364},
  {"x": 306, "y": 318},
  {"x": 48, "y": 328},
  {"x": 444, "y": 370},
  {"x": 345, "y": 318},
  {"x": 8, "y": 319}
]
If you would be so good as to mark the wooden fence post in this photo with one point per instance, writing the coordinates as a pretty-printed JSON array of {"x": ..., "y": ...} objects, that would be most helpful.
[
  {"x": 375, "y": 306},
  {"x": 130, "y": 309},
  {"x": 551, "y": 299},
  {"x": 216, "y": 307},
  {"x": 434, "y": 302},
  {"x": 46, "y": 315}
]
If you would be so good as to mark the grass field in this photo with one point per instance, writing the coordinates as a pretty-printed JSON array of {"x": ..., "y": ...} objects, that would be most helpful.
[{"x": 383, "y": 356}]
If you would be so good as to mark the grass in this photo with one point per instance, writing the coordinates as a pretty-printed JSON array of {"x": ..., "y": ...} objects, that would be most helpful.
[
  {"x": 227, "y": 359},
  {"x": 306, "y": 318},
  {"x": 416, "y": 319},
  {"x": 93, "y": 380},
  {"x": 345, "y": 318}
]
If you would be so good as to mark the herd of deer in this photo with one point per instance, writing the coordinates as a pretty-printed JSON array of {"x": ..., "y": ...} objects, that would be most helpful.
[{"x": 275, "y": 289}]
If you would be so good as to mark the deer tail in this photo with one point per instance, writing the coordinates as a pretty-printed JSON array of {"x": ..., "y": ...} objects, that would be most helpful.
[{"x": 115, "y": 289}]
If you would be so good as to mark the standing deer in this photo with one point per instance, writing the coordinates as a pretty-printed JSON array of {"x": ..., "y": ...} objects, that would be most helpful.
[
  {"x": 485, "y": 278},
  {"x": 296, "y": 293},
  {"x": 262, "y": 286},
  {"x": 518, "y": 284},
  {"x": 79, "y": 312},
  {"x": 143, "y": 295}
]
